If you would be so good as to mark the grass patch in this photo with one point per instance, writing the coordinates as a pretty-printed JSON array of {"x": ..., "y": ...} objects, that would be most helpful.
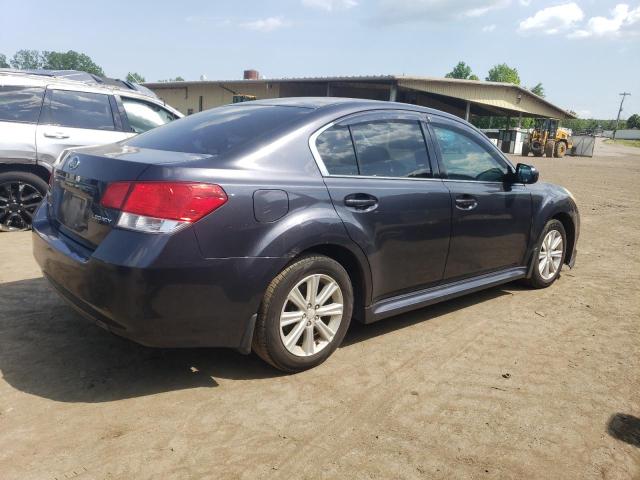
[{"x": 628, "y": 143}]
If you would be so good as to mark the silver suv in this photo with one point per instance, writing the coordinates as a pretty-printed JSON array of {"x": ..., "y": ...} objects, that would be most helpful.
[{"x": 42, "y": 114}]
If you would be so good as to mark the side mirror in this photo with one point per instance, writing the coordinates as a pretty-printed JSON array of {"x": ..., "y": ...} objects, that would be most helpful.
[{"x": 526, "y": 173}]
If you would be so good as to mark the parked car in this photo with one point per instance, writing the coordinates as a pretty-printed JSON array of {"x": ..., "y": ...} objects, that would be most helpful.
[
  {"x": 42, "y": 113},
  {"x": 268, "y": 225}
]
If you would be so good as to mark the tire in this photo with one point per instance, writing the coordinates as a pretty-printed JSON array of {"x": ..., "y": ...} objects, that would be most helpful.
[
  {"x": 24, "y": 192},
  {"x": 312, "y": 345},
  {"x": 539, "y": 279},
  {"x": 537, "y": 149},
  {"x": 526, "y": 148},
  {"x": 549, "y": 148},
  {"x": 560, "y": 149}
]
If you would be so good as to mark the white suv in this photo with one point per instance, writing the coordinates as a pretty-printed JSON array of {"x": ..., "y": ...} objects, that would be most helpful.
[{"x": 41, "y": 114}]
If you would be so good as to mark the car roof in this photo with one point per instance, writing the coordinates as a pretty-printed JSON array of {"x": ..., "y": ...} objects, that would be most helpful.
[{"x": 321, "y": 104}]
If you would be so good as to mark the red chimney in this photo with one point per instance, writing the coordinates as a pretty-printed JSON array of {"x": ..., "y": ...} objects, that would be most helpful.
[{"x": 251, "y": 75}]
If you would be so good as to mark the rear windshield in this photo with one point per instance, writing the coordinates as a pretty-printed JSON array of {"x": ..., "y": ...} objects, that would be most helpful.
[{"x": 219, "y": 130}]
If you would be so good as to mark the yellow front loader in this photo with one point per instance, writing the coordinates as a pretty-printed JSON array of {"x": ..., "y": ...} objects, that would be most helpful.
[{"x": 547, "y": 139}]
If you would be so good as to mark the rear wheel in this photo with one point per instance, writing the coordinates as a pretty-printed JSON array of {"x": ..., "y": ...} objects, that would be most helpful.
[
  {"x": 560, "y": 150},
  {"x": 304, "y": 315},
  {"x": 537, "y": 148},
  {"x": 20, "y": 195},
  {"x": 549, "y": 148},
  {"x": 526, "y": 148},
  {"x": 549, "y": 255}
]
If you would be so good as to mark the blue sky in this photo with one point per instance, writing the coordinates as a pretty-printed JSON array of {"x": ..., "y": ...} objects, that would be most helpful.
[{"x": 584, "y": 52}]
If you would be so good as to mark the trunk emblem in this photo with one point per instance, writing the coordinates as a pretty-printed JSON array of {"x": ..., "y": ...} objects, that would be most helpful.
[{"x": 73, "y": 163}]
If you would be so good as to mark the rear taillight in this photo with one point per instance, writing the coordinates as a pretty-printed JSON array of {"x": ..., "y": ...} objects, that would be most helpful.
[{"x": 162, "y": 207}]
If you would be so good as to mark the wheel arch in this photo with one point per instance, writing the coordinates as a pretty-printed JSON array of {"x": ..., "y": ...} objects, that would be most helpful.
[
  {"x": 570, "y": 231},
  {"x": 38, "y": 170}
]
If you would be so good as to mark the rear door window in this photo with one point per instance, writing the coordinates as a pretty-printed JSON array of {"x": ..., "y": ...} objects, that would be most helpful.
[
  {"x": 336, "y": 150},
  {"x": 391, "y": 148},
  {"x": 20, "y": 104},
  {"x": 68, "y": 108},
  {"x": 144, "y": 116}
]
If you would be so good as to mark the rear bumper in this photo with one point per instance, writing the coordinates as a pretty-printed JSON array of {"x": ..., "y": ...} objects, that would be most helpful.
[{"x": 156, "y": 290}]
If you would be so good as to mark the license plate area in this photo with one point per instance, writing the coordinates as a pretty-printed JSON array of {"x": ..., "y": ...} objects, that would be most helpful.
[{"x": 74, "y": 211}]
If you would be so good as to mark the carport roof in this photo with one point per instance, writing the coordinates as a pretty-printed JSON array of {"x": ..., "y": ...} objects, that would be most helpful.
[{"x": 494, "y": 97}]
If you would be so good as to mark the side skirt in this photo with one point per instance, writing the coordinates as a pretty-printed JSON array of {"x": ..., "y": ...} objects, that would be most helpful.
[{"x": 422, "y": 298}]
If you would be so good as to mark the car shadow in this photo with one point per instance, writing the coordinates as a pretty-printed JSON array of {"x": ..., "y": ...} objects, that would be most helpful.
[
  {"x": 50, "y": 351},
  {"x": 625, "y": 427}
]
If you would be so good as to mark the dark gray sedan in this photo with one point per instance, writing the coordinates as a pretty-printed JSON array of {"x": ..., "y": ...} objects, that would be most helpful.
[{"x": 269, "y": 225}]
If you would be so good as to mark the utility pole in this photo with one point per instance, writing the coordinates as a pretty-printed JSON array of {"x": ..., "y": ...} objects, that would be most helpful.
[{"x": 623, "y": 94}]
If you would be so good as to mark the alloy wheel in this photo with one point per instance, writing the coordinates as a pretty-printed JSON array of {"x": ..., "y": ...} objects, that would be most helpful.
[
  {"x": 550, "y": 255},
  {"x": 18, "y": 203},
  {"x": 311, "y": 315}
]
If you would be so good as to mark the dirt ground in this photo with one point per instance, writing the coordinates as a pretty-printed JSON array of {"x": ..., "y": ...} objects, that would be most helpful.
[{"x": 506, "y": 383}]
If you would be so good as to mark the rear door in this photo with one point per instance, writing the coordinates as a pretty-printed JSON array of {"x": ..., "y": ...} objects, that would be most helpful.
[
  {"x": 19, "y": 111},
  {"x": 381, "y": 181},
  {"x": 491, "y": 218},
  {"x": 76, "y": 119}
]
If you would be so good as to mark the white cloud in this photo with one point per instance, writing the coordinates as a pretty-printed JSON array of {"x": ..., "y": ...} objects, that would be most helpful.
[
  {"x": 622, "y": 21},
  {"x": 406, "y": 11},
  {"x": 266, "y": 24},
  {"x": 330, "y": 5},
  {"x": 552, "y": 20},
  {"x": 524, "y": 3},
  {"x": 489, "y": 28}
]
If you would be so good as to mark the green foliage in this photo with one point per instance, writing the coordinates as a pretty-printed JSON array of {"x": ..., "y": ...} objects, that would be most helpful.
[
  {"x": 633, "y": 121},
  {"x": 70, "y": 60},
  {"x": 177, "y": 79},
  {"x": 135, "y": 77},
  {"x": 538, "y": 89},
  {"x": 504, "y": 73},
  {"x": 3, "y": 61},
  {"x": 473, "y": 76},
  {"x": 461, "y": 71},
  {"x": 27, "y": 60},
  {"x": 590, "y": 124}
]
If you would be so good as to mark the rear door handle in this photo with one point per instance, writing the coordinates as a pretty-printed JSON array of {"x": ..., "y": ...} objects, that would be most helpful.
[
  {"x": 58, "y": 135},
  {"x": 466, "y": 202},
  {"x": 360, "y": 201}
]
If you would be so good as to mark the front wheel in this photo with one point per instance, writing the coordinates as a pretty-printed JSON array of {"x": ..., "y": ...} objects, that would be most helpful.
[
  {"x": 549, "y": 255},
  {"x": 20, "y": 195},
  {"x": 526, "y": 148},
  {"x": 304, "y": 315}
]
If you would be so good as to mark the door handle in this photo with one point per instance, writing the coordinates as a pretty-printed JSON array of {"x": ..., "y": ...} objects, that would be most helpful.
[
  {"x": 360, "y": 201},
  {"x": 466, "y": 202},
  {"x": 58, "y": 135}
]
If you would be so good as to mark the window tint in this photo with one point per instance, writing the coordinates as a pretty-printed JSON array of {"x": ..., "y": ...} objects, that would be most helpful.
[
  {"x": 79, "y": 109},
  {"x": 20, "y": 104},
  {"x": 336, "y": 150},
  {"x": 218, "y": 130},
  {"x": 466, "y": 159},
  {"x": 144, "y": 116},
  {"x": 391, "y": 148}
]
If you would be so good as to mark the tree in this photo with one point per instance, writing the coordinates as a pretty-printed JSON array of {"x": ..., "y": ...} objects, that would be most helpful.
[
  {"x": 473, "y": 76},
  {"x": 70, "y": 60},
  {"x": 633, "y": 121},
  {"x": 135, "y": 77},
  {"x": 3, "y": 61},
  {"x": 177, "y": 79},
  {"x": 461, "y": 71},
  {"x": 538, "y": 89},
  {"x": 504, "y": 73},
  {"x": 27, "y": 60}
]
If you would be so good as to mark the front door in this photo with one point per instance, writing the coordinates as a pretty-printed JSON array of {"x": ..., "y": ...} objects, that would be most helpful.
[
  {"x": 75, "y": 119},
  {"x": 380, "y": 179},
  {"x": 491, "y": 218}
]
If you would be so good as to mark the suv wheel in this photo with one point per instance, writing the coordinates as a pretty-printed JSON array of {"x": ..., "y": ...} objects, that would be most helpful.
[
  {"x": 20, "y": 195},
  {"x": 549, "y": 255},
  {"x": 304, "y": 315}
]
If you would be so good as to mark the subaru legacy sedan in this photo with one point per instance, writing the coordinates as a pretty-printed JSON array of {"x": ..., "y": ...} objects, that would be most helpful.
[{"x": 267, "y": 226}]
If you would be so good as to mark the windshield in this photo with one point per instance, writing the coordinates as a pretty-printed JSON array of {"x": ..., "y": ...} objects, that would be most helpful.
[{"x": 219, "y": 130}]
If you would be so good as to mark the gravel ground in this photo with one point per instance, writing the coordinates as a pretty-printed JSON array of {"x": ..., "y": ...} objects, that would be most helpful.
[{"x": 506, "y": 383}]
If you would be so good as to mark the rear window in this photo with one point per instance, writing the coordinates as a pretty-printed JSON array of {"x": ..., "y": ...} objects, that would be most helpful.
[
  {"x": 219, "y": 130},
  {"x": 20, "y": 104},
  {"x": 78, "y": 110}
]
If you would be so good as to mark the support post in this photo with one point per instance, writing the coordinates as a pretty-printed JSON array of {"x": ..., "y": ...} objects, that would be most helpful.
[
  {"x": 328, "y": 89},
  {"x": 520, "y": 120},
  {"x": 467, "y": 113},
  {"x": 393, "y": 92},
  {"x": 508, "y": 122}
]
